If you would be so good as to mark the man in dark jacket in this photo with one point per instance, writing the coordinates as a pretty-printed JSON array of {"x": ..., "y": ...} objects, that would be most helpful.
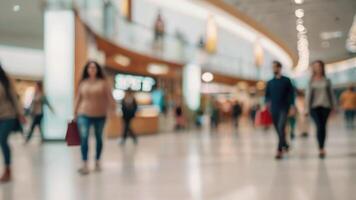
[
  {"x": 129, "y": 108},
  {"x": 279, "y": 98}
]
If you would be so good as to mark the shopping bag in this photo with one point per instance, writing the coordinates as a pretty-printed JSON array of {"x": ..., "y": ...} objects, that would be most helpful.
[
  {"x": 72, "y": 136},
  {"x": 266, "y": 117}
]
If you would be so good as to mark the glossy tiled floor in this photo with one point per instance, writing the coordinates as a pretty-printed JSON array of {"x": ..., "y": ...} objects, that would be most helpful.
[{"x": 224, "y": 165}]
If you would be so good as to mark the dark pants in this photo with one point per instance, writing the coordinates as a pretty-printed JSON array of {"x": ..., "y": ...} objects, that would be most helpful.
[
  {"x": 280, "y": 121},
  {"x": 6, "y": 127},
  {"x": 349, "y": 117},
  {"x": 320, "y": 116},
  {"x": 36, "y": 121},
  {"x": 84, "y": 124},
  {"x": 128, "y": 131}
]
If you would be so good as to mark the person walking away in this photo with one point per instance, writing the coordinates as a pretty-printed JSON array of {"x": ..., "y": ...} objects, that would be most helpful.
[
  {"x": 236, "y": 113},
  {"x": 348, "y": 104},
  {"x": 129, "y": 109},
  {"x": 302, "y": 119},
  {"x": 279, "y": 97},
  {"x": 39, "y": 101},
  {"x": 215, "y": 115},
  {"x": 320, "y": 100},
  {"x": 94, "y": 101},
  {"x": 11, "y": 113}
]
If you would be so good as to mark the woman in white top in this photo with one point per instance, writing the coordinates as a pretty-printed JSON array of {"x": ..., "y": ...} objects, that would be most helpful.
[{"x": 320, "y": 100}]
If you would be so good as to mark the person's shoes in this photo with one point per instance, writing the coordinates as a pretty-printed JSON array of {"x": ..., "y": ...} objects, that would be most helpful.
[
  {"x": 279, "y": 155},
  {"x": 98, "y": 167},
  {"x": 6, "y": 177},
  {"x": 83, "y": 171},
  {"x": 322, "y": 154},
  {"x": 286, "y": 149}
]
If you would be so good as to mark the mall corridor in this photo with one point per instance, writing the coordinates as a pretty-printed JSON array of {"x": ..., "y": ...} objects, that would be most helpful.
[{"x": 194, "y": 165}]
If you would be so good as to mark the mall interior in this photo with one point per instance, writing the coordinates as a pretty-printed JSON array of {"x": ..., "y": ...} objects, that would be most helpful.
[{"x": 218, "y": 99}]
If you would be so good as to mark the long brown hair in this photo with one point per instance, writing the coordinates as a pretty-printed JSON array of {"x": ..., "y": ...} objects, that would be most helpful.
[
  {"x": 99, "y": 71},
  {"x": 322, "y": 65}
]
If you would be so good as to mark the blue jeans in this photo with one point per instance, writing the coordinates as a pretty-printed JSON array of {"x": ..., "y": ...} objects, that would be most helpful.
[
  {"x": 280, "y": 121},
  {"x": 6, "y": 127},
  {"x": 36, "y": 121},
  {"x": 84, "y": 124}
]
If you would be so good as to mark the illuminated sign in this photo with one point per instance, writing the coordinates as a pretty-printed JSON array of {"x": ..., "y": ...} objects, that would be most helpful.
[{"x": 135, "y": 83}]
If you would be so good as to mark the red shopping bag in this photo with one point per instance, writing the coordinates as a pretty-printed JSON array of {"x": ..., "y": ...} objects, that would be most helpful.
[
  {"x": 266, "y": 117},
  {"x": 72, "y": 136}
]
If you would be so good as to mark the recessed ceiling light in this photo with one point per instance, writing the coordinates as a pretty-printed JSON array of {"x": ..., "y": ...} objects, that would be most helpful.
[
  {"x": 207, "y": 77},
  {"x": 299, "y": 1},
  {"x": 299, "y": 13},
  {"x": 16, "y": 8},
  {"x": 300, "y": 28},
  {"x": 157, "y": 69}
]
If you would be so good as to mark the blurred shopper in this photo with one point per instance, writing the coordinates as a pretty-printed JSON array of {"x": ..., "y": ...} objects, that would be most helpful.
[
  {"x": 159, "y": 29},
  {"x": 179, "y": 124},
  {"x": 129, "y": 109},
  {"x": 254, "y": 109},
  {"x": 38, "y": 102},
  {"x": 11, "y": 113},
  {"x": 215, "y": 115},
  {"x": 236, "y": 113},
  {"x": 292, "y": 121},
  {"x": 320, "y": 100},
  {"x": 279, "y": 98},
  {"x": 302, "y": 118},
  {"x": 93, "y": 102},
  {"x": 348, "y": 104}
]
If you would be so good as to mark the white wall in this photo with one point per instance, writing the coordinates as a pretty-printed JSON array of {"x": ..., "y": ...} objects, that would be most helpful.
[{"x": 23, "y": 62}]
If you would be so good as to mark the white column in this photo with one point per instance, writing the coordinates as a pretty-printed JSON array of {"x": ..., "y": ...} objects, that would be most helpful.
[
  {"x": 191, "y": 86},
  {"x": 59, "y": 36}
]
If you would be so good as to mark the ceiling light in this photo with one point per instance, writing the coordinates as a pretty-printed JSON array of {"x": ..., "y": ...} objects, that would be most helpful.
[
  {"x": 299, "y": 13},
  {"x": 299, "y": 1},
  {"x": 330, "y": 35},
  {"x": 157, "y": 69},
  {"x": 300, "y": 28},
  {"x": 122, "y": 60},
  {"x": 207, "y": 77},
  {"x": 16, "y": 8}
]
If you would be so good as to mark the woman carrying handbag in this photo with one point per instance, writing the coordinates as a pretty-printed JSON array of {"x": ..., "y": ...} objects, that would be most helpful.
[
  {"x": 94, "y": 101},
  {"x": 11, "y": 114}
]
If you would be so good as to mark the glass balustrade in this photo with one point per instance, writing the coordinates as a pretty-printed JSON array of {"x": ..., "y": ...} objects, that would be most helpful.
[{"x": 106, "y": 21}]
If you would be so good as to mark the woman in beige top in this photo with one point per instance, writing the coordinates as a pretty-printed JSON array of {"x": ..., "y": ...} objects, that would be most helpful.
[
  {"x": 94, "y": 100},
  {"x": 10, "y": 113}
]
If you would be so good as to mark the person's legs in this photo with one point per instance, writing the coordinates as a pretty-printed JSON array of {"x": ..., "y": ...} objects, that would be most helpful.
[
  {"x": 84, "y": 127},
  {"x": 324, "y": 115},
  {"x": 125, "y": 133},
  {"x": 349, "y": 118},
  {"x": 35, "y": 122},
  {"x": 40, "y": 118},
  {"x": 6, "y": 126},
  {"x": 131, "y": 133},
  {"x": 99, "y": 127},
  {"x": 315, "y": 113},
  {"x": 279, "y": 121}
]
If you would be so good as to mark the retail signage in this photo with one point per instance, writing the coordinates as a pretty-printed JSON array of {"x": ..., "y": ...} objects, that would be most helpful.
[{"x": 134, "y": 82}]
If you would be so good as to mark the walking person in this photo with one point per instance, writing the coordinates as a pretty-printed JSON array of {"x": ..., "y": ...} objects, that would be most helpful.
[
  {"x": 129, "y": 109},
  {"x": 348, "y": 104},
  {"x": 11, "y": 113},
  {"x": 280, "y": 97},
  {"x": 236, "y": 113},
  {"x": 93, "y": 102},
  {"x": 320, "y": 100},
  {"x": 37, "y": 105}
]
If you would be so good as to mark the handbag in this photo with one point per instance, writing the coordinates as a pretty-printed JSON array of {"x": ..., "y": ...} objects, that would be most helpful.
[{"x": 72, "y": 135}]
